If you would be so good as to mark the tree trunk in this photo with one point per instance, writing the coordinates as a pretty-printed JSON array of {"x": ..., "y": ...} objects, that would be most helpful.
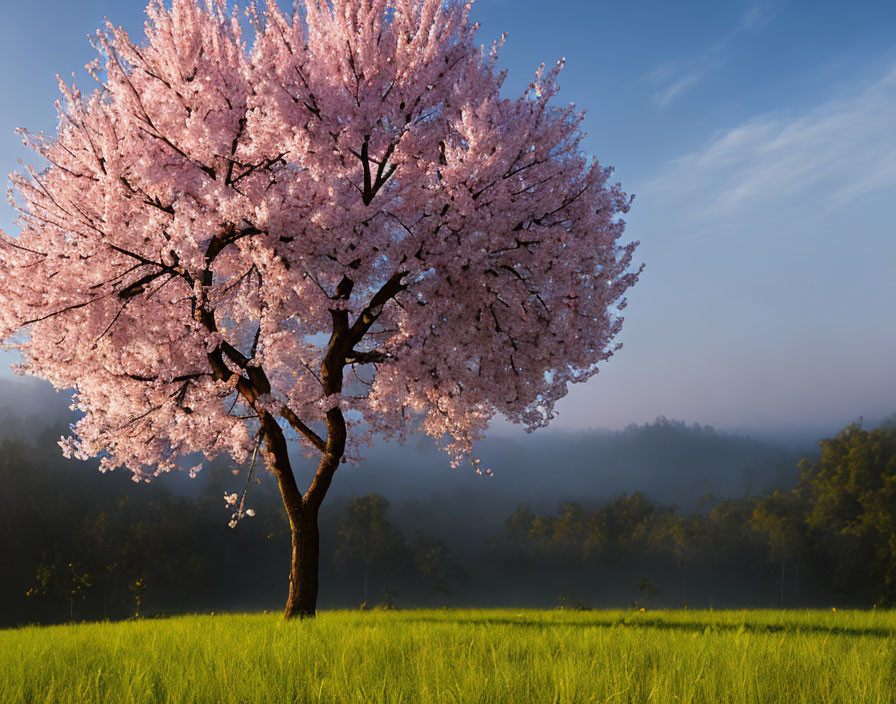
[
  {"x": 304, "y": 568},
  {"x": 302, "y": 511}
]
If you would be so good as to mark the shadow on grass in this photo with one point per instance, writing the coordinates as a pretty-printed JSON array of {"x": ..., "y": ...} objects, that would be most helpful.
[{"x": 647, "y": 622}]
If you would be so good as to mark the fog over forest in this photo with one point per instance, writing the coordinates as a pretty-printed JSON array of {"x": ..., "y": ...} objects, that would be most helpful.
[
  {"x": 662, "y": 513},
  {"x": 668, "y": 460}
]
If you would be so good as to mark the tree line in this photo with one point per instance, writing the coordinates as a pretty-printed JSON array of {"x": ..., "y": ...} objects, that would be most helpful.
[
  {"x": 79, "y": 546},
  {"x": 831, "y": 537}
]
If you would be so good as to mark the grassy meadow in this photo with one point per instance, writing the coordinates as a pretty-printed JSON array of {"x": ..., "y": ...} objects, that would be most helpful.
[{"x": 501, "y": 656}]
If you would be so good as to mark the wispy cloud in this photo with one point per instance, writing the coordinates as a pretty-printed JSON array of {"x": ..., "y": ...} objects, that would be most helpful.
[
  {"x": 674, "y": 79},
  {"x": 679, "y": 87},
  {"x": 757, "y": 16},
  {"x": 824, "y": 158}
]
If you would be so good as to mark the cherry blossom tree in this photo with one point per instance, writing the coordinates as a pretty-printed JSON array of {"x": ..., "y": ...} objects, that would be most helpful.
[{"x": 343, "y": 230}]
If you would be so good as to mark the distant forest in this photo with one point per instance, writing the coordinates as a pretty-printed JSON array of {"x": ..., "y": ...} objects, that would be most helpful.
[{"x": 819, "y": 532}]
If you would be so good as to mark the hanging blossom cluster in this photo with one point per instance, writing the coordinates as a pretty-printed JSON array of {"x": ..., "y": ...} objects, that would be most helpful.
[{"x": 346, "y": 217}]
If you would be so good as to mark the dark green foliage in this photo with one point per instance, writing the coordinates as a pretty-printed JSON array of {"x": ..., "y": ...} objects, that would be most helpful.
[
  {"x": 78, "y": 544},
  {"x": 369, "y": 540},
  {"x": 851, "y": 495},
  {"x": 436, "y": 564}
]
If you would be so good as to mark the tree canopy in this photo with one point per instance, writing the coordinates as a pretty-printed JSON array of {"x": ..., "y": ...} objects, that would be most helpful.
[
  {"x": 223, "y": 230},
  {"x": 343, "y": 230}
]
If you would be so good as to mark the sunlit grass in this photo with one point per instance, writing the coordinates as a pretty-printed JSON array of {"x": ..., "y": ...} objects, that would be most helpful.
[{"x": 505, "y": 656}]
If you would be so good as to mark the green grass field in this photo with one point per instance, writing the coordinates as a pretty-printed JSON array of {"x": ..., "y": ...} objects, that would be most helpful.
[{"x": 508, "y": 656}]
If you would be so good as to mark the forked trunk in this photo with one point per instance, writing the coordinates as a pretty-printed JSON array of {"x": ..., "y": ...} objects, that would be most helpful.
[
  {"x": 304, "y": 568},
  {"x": 302, "y": 512}
]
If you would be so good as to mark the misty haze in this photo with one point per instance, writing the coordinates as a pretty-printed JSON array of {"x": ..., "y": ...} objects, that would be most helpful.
[{"x": 469, "y": 521}]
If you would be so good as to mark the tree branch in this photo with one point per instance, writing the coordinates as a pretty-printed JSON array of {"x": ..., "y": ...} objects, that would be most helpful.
[
  {"x": 373, "y": 310},
  {"x": 303, "y": 429},
  {"x": 255, "y": 383},
  {"x": 371, "y": 357}
]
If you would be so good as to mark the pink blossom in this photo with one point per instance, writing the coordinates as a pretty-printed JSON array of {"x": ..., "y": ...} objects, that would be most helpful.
[{"x": 344, "y": 231}]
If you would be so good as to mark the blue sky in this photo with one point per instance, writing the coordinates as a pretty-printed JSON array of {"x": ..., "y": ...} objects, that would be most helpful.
[{"x": 760, "y": 140}]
